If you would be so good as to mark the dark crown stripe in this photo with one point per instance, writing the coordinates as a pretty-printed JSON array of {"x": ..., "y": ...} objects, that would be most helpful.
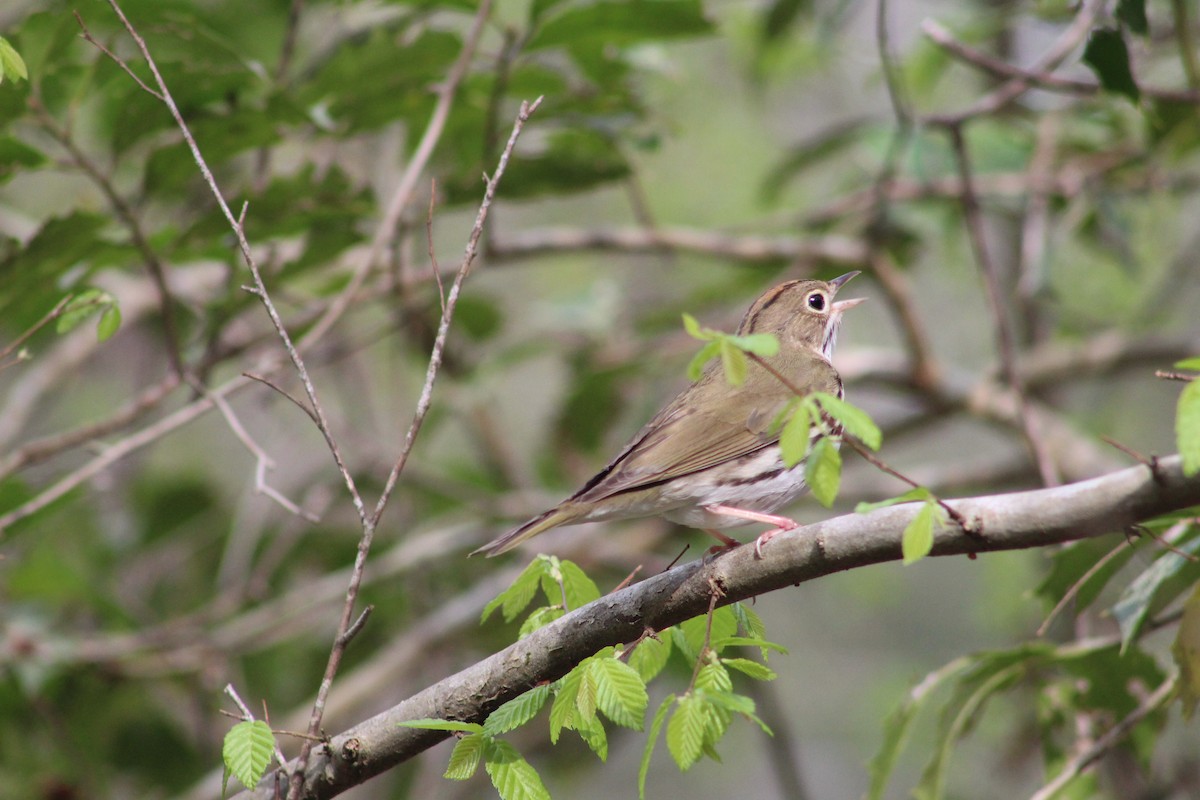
[{"x": 764, "y": 302}]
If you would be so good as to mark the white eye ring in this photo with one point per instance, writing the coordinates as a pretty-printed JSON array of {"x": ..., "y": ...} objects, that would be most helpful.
[{"x": 816, "y": 302}]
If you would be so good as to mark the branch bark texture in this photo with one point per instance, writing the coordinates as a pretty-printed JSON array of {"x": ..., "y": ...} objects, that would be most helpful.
[{"x": 1007, "y": 522}]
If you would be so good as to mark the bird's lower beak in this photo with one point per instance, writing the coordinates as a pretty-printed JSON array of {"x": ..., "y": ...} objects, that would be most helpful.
[{"x": 842, "y": 305}]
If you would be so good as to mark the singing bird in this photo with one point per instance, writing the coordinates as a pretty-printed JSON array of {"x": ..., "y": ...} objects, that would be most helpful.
[{"x": 710, "y": 459}]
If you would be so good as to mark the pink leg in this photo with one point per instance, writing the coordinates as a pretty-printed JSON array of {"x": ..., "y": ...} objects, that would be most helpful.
[
  {"x": 781, "y": 524},
  {"x": 726, "y": 542}
]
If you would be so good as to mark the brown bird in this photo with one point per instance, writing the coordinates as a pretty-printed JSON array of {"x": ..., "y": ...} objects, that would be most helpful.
[{"x": 711, "y": 458}]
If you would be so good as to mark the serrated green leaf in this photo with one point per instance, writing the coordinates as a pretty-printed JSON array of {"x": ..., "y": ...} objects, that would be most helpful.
[
  {"x": 733, "y": 361},
  {"x": 562, "y": 710},
  {"x": 1189, "y": 363},
  {"x": 1073, "y": 562},
  {"x": 540, "y": 618},
  {"x": 853, "y": 419},
  {"x": 1186, "y": 650},
  {"x": 1133, "y": 607},
  {"x": 585, "y": 698},
  {"x": 694, "y": 330},
  {"x": 1108, "y": 56},
  {"x": 1187, "y": 427},
  {"x": 696, "y": 366},
  {"x": 651, "y": 740},
  {"x": 513, "y": 776},
  {"x": 760, "y": 672},
  {"x": 724, "y": 625},
  {"x": 513, "y": 600},
  {"x": 919, "y": 493},
  {"x": 577, "y": 586},
  {"x": 823, "y": 471},
  {"x": 109, "y": 322},
  {"x": 593, "y": 735},
  {"x": 12, "y": 66},
  {"x": 247, "y": 751},
  {"x": 760, "y": 344},
  {"x": 620, "y": 693},
  {"x": 918, "y": 535},
  {"x": 713, "y": 677},
  {"x": 650, "y": 656},
  {"x": 465, "y": 757},
  {"x": 685, "y": 731},
  {"x": 796, "y": 436},
  {"x": 442, "y": 725},
  {"x": 749, "y": 622},
  {"x": 517, "y": 712}
]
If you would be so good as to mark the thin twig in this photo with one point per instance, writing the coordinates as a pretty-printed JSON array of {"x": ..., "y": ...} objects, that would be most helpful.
[
  {"x": 46, "y": 319},
  {"x": 1005, "y": 342},
  {"x": 878, "y": 463},
  {"x": 1171, "y": 375},
  {"x": 1070, "y": 594},
  {"x": 1111, "y": 737},
  {"x": 248, "y": 717}
]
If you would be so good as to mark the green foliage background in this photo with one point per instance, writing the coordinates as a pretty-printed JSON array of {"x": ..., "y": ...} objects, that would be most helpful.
[{"x": 686, "y": 157}]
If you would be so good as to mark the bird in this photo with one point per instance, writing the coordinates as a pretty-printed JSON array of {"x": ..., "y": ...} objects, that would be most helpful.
[{"x": 711, "y": 459}]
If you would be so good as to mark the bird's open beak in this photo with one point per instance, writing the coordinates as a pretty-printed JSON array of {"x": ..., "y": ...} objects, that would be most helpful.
[{"x": 838, "y": 282}]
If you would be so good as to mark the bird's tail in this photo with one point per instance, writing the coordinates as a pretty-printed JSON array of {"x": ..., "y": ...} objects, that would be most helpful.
[{"x": 561, "y": 515}]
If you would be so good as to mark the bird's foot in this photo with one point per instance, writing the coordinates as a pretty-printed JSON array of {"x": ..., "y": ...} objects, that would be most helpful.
[
  {"x": 767, "y": 536},
  {"x": 782, "y": 524}
]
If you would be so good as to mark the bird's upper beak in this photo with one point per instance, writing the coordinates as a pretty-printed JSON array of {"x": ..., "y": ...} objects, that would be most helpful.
[{"x": 837, "y": 283}]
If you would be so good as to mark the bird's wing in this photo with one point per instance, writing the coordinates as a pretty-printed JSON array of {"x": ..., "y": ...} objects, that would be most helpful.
[{"x": 709, "y": 423}]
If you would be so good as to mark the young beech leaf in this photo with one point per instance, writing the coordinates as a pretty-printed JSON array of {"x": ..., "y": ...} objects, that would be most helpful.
[
  {"x": 1192, "y": 364},
  {"x": 760, "y": 672},
  {"x": 247, "y": 751},
  {"x": 594, "y": 737},
  {"x": 620, "y": 693},
  {"x": 1187, "y": 427},
  {"x": 734, "y": 362},
  {"x": 652, "y": 739},
  {"x": 794, "y": 439},
  {"x": 760, "y": 344},
  {"x": 442, "y": 725},
  {"x": 109, "y": 322},
  {"x": 1186, "y": 650},
  {"x": 517, "y": 712},
  {"x": 823, "y": 471},
  {"x": 918, "y": 536},
  {"x": 650, "y": 656},
  {"x": 853, "y": 420},
  {"x": 696, "y": 366},
  {"x": 464, "y": 758},
  {"x": 577, "y": 586},
  {"x": 685, "y": 731},
  {"x": 694, "y": 330},
  {"x": 513, "y": 600},
  {"x": 513, "y": 776}
]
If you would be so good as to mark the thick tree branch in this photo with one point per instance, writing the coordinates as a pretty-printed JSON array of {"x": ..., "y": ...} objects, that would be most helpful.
[{"x": 1008, "y": 522}]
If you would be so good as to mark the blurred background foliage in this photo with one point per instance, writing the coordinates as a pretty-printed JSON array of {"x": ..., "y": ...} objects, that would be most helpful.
[{"x": 687, "y": 156}]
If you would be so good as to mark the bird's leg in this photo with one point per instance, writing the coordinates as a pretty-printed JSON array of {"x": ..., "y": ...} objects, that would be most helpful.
[
  {"x": 726, "y": 542},
  {"x": 781, "y": 524}
]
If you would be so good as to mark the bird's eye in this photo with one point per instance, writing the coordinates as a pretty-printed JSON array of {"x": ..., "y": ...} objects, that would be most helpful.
[{"x": 816, "y": 301}]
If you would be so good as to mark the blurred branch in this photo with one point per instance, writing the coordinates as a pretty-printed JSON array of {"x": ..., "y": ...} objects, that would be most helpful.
[{"x": 1012, "y": 521}]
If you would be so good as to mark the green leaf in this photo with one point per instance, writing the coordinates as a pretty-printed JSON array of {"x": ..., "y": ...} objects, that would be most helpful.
[
  {"x": 618, "y": 23},
  {"x": 685, "y": 731},
  {"x": 760, "y": 344},
  {"x": 1133, "y": 14},
  {"x": 651, "y": 740},
  {"x": 796, "y": 436},
  {"x": 577, "y": 586},
  {"x": 760, "y": 672},
  {"x": 719, "y": 644},
  {"x": 919, "y": 493},
  {"x": 513, "y": 776},
  {"x": 540, "y": 618},
  {"x": 691, "y": 632},
  {"x": 733, "y": 361},
  {"x": 1189, "y": 363},
  {"x": 696, "y": 365},
  {"x": 109, "y": 322},
  {"x": 12, "y": 66},
  {"x": 1107, "y": 55},
  {"x": 918, "y": 535},
  {"x": 650, "y": 657},
  {"x": 517, "y": 712},
  {"x": 1070, "y": 564},
  {"x": 1186, "y": 650},
  {"x": 620, "y": 693},
  {"x": 853, "y": 420},
  {"x": 1187, "y": 427},
  {"x": 80, "y": 307},
  {"x": 513, "y": 600},
  {"x": 694, "y": 330},
  {"x": 562, "y": 710},
  {"x": 593, "y": 735},
  {"x": 1133, "y": 607},
  {"x": 823, "y": 471},
  {"x": 585, "y": 698},
  {"x": 465, "y": 757},
  {"x": 247, "y": 751},
  {"x": 442, "y": 725},
  {"x": 749, "y": 622}
]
